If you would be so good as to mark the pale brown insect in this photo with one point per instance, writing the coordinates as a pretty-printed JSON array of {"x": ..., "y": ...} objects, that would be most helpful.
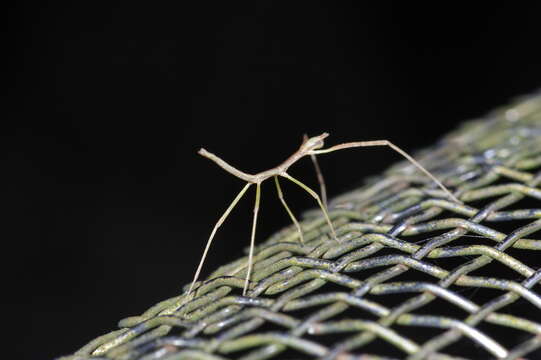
[{"x": 310, "y": 146}]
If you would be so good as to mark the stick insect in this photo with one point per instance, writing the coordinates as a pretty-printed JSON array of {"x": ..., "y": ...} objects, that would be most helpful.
[{"x": 310, "y": 146}]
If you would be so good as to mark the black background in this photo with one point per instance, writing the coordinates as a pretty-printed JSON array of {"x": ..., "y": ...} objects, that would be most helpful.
[{"x": 107, "y": 205}]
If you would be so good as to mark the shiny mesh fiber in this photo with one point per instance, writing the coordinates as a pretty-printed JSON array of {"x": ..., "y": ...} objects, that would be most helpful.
[{"x": 414, "y": 276}]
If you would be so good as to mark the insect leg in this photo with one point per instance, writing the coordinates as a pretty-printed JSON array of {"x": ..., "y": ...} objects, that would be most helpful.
[
  {"x": 209, "y": 241},
  {"x": 319, "y": 174},
  {"x": 281, "y": 197},
  {"x": 318, "y": 199},
  {"x": 252, "y": 240},
  {"x": 398, "y": 150}
]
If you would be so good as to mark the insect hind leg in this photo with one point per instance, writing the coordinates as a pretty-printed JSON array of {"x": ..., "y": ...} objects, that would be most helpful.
[
  {"x": 318, "y": 199},
  {"x": 293, "y": 218},
  {"x": 209, "y": 241}
]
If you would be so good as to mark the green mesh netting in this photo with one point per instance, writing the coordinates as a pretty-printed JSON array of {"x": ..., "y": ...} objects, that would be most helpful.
[{"x": 414, "y": 276}]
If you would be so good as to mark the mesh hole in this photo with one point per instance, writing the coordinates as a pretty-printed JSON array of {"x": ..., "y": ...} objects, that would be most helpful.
[
  {"x": 442, "y": 307},
  {"x": 506, "y": 336},
  {"x": 497, "y": 268},
  {"x": 465, "y": 347}
]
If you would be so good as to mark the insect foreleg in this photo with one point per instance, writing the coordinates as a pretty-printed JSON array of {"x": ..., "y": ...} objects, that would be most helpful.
[{"x": 395, "y": 148}]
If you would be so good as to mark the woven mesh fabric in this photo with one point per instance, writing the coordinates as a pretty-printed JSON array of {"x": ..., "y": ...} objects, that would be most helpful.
[{"x": 414, "y": 276}]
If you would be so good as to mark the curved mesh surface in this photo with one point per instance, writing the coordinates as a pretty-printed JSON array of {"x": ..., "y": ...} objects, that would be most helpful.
[{"x": 414, "y": 276}]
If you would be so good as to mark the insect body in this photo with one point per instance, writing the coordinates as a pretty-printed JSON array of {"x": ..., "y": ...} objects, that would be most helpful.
[{"x": 310, "y": 146}]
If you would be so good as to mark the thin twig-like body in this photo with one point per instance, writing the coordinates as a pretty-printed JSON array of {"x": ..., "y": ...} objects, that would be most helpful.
[{"x": 310, "y": 146}]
